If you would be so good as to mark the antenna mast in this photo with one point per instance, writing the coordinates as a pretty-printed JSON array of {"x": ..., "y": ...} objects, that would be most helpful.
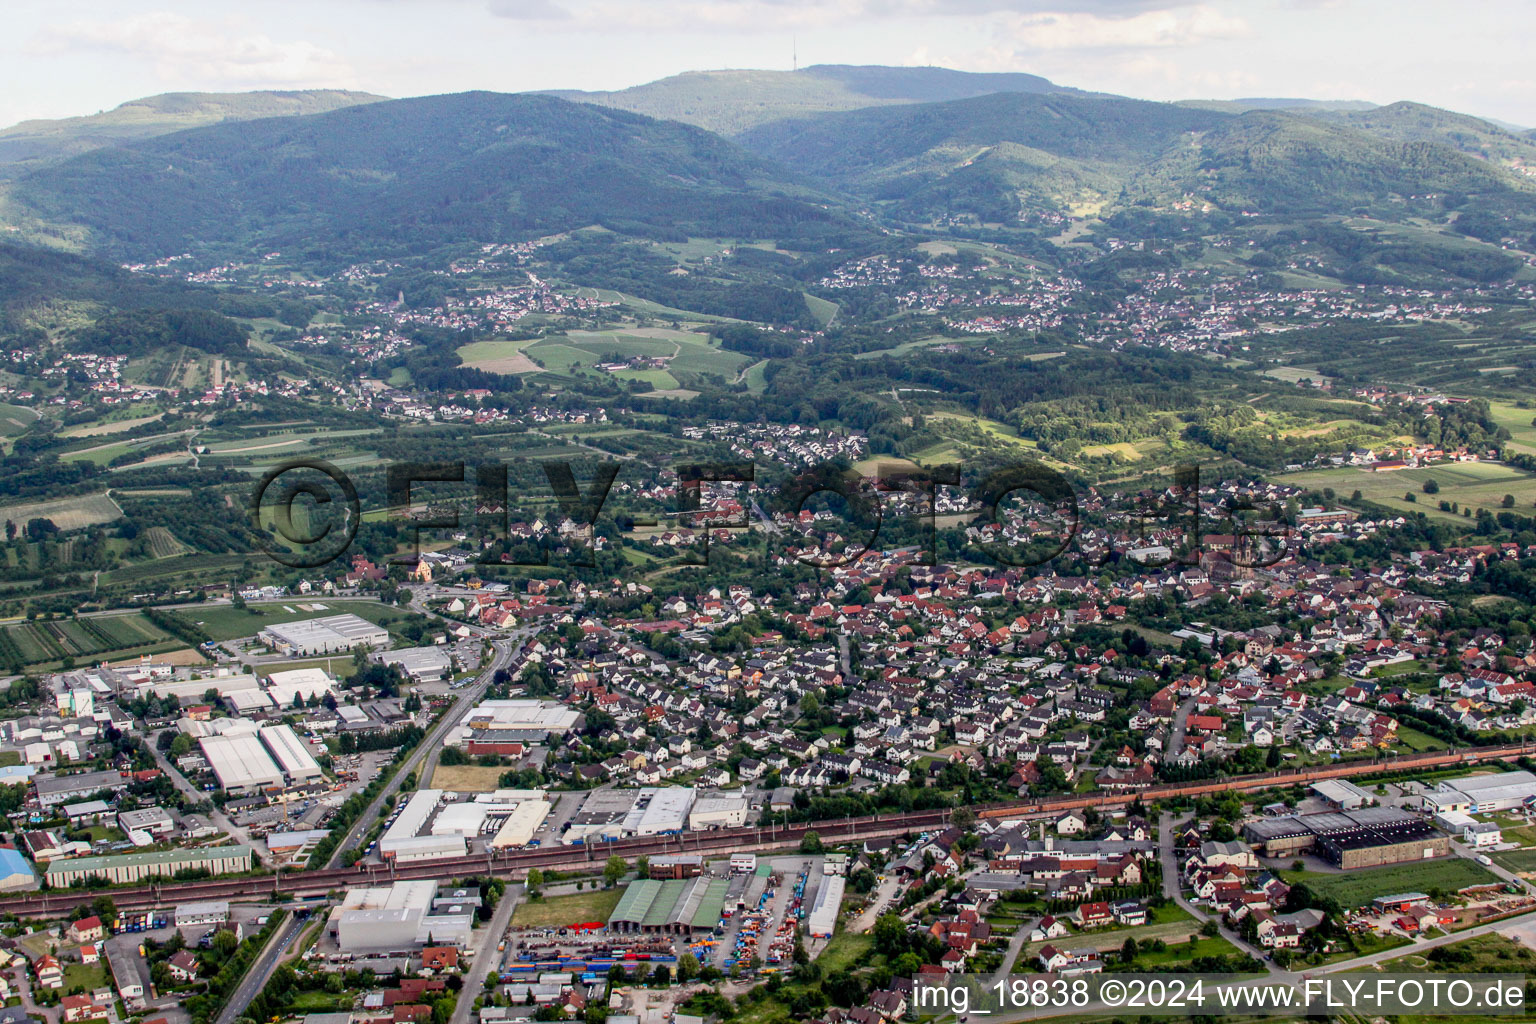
[{"x": 794, "y": 52}]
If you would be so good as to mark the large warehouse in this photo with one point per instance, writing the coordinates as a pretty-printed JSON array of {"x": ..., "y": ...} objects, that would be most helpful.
[
  {"x": 659, "y": 810},
  {"x": 291, "y": 754},
  {"x": 719, "y": 811},
  {"x": 132, "y": 867},
  {"x": 829, "y": 899},
  {"x": 420, "y": 664},
  {"x": 672, "y": 907},
  {"x": 327, "y": 635},
  {"x": 241, "y": 763},
  {"x": 520, "y": 826},
  {"x": 396, "y": 919},
  {"x": 1483, "y": 794},
  {"x": 1368, "y": 837},
  {"x": 507, "y": 726}
]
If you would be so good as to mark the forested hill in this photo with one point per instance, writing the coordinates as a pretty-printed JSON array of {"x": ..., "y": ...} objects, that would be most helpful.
[
  {"x": 42, "y": 140},
  {"x": 420, "y": 171},
  {"x": 733, "y": 101},
  {"x": 998, "y": 157}
]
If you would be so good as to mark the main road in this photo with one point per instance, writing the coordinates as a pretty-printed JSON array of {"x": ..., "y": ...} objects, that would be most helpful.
[
  {"x": 255, "y": 979},
  {"x": 423, "y": 759},
  {"x": 488, "y": 957}
]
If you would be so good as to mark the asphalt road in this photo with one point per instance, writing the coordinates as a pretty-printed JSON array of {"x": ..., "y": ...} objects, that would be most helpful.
[
  {"x": 424, "y": 758},
  {"x": 1173, "y": 888},
  {"x": 486, "y": 958},
  {"x": 256, "y": 978}
]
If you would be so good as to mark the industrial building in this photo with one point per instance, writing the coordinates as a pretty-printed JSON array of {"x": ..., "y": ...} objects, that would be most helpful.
[
  {"x": 398, "y": 918},
  {"x": 520, "y": 826},
  {"x": 824, "y": 909},
  {"x": 133, "y": 867},
  {"x": 15, "y": 873},
  {"x": 659, "y": 811},
  {"x": 1483, "y": 794},
  {"x": 1342, "y": 795},
  {"x": 241, "y": 763},
  {"x": 304, "y": 684},
  {"x": 327, "y": 635},
  {"x": 510, "y": 726},
  {"x": 291, "y": 754},
  {"x": 294, "y": 847},
  {"x": 430, "y": 825},
  {"x": 671, "y": 907},
  {"x": 1369, "y": 837},
  {"x": 676, "y": 865},
  {"x": 68, "y": 789},
  {"x": 207, "y": 912},
  {"x": 419, "y": 664},
  {"x": 602, "y": 815},
  {"x": 719, "y": 811},
  {"x": 1468, "y": 829}
]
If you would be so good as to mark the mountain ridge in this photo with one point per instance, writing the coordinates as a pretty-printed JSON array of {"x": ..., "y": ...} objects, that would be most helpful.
[{"x": 44, "y": 139}]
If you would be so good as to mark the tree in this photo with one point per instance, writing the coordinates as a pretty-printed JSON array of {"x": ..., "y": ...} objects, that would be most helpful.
[
  {"x": 811, "y": 843},
  {"x": 963, "y": 818},
  {"x": 890, "y": 935},
  {"x": 225, "y": 943},
  {"x": 687, "y": 968},
  {"x": 1508, "y": 501},
  {"x": 535, "y": 880},
  {"x": 1129, "y": 950},
  {"x": 103, "y": 907},
  {"x": 614, "y": 870},
  {"x": 1431, "y": 486}
]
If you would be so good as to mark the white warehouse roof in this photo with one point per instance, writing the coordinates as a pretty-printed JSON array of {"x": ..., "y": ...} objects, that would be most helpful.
[
  {"x": 291, "y": 753},
  {"x": 240, "y": 761}
]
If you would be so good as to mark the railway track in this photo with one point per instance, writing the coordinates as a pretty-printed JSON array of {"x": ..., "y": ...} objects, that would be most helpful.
[{"x": 296, "y": 884}]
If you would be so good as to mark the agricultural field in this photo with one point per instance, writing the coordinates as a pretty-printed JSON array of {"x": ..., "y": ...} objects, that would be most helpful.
[
  {"x": 14, "y": 419},
  {"x": 1357, "y": 888},
  {"x": 92, "y": 638},
  {"x": 499, "y": 356},
  {"x": 1516, "y": 418},
  {"x": 684, "y": 355},
  {"x": 1471, "y": 485},
  {"x": 109, "y": 426},
  {"x": 74, "y": 513}
]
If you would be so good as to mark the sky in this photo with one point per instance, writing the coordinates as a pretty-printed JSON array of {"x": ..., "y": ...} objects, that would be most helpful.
[{"x": 60, "y": 58}]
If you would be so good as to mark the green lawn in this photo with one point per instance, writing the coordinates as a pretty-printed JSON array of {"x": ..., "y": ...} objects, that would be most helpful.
[
  {"x": 559, "y": 911},
  {"x": 1357, "y": 888},
  {"x": 1517, "y": 861},
  {"x": 1183, "y": 952},
  {"x": 87, "y": 976}
]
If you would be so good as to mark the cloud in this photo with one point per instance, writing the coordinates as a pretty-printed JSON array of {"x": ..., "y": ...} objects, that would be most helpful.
[
  {"x": 777, "y": 15},
  {"x": 183, "y": 49},
  {"x": 1081, "y": 30}
]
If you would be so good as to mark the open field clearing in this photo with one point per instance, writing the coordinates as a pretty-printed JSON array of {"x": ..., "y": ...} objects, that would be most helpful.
[
  {"x": 66, "y": 513},
  {"x": 15, "y": 418},
  {"x": 560, "y": 911},
  {"x": 112, "y": 427},
  {"x": 1357, "y": 888},
  {"x": 466, "y": 778},
  {"x": 184, "y": 656},
  {"x": 499, "y": 356},
  {"x": 1471, "y": 485}
]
